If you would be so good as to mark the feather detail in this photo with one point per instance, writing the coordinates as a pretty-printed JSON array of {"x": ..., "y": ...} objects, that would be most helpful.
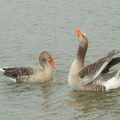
[
  {"x": 95, "y": 88},
  {"x": 96, "y": 68},
  {"x": 18, "y": 71}
]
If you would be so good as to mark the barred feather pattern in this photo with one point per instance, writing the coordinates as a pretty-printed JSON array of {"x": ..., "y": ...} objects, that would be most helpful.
[
  {"x": 95, "y": 88},
  {"x": 93, "y": 68},
  {"x": 18, "y": 71}
]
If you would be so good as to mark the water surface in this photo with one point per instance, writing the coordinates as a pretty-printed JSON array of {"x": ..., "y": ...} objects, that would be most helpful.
[{"x": 28, "y": 27}]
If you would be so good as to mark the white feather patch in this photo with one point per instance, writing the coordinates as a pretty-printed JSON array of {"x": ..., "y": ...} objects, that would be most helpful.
[
  {"x": 113, "y": 83},
  {"x": 1, "y": 71}
]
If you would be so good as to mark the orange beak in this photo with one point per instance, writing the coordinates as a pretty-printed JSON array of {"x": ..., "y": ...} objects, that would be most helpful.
[
  {"x": 52, "y": 62},
  {"x": 79, "y": 33}
]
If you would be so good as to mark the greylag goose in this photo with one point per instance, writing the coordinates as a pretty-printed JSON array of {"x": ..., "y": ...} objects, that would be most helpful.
[
  {"x": 94, "y": 77},
  {"x": 29, "y": 74}
]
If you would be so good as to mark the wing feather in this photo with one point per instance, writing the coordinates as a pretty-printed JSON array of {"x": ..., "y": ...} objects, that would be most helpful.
[
  {"x": 95, "y": 69},
  {"x": 18, "y": 71}
]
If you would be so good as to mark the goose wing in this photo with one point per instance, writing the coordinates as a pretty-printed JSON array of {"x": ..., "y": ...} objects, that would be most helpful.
[
  {"x": 18, "y": 71},
  {"x": 91, "y": 72}
]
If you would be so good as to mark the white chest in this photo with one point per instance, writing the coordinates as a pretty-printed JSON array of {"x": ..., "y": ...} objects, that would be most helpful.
[{"x": 73, "y": 77}]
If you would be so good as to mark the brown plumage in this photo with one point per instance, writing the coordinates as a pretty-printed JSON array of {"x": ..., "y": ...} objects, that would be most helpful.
[
  {"x": 95, "y": 88},
  {"x": 82, "y": 50},
  {"x": 92, "y": 68},
  {"x": 29, "y": 74},
  {"x": 93, "y": 77},
  {"x": 18, "y": 71},
  {"x": 113, "y": 62}
]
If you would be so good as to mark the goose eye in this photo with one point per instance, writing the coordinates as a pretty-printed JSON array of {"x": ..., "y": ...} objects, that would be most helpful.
[{"x": 49, "y": 58}]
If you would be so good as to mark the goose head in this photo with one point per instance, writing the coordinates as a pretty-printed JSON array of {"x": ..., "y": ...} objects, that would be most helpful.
[
  {"x": 46, "y": 58},
  {"x": 81, "y": 36}
]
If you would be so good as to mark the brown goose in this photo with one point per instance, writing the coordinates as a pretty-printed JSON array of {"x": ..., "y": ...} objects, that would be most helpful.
[
  {"x": 29, "y": 74},
  {"x": 96, "y": 76}
]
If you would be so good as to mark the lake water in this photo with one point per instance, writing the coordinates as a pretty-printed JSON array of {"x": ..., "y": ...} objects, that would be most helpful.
[{"x": 28, "y": 27}]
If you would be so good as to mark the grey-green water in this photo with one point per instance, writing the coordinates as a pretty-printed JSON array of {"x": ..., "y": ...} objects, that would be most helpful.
[{"x": 28, "y": 27}]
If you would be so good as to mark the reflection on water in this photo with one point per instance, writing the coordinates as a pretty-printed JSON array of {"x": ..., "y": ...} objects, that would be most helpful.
[
  {"x": 30, "y": 27},
  {"x": 94, "y": 105}
]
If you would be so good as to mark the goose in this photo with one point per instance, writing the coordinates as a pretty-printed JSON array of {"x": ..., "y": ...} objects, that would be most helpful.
[
  {"x": 97, "y": 76},
  {"x": 32, "y": 75}
]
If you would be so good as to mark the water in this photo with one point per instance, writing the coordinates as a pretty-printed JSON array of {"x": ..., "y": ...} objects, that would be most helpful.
[{"x": 28, "y": 27}]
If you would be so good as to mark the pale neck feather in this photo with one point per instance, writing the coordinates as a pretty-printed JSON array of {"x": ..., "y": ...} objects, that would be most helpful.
[
  {"x": 73, "y": 77},
  {"x": 75, "y": 67}
]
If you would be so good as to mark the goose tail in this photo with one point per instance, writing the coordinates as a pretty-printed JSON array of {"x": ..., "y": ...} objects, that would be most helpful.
[{"x": 2, "y": 71}]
